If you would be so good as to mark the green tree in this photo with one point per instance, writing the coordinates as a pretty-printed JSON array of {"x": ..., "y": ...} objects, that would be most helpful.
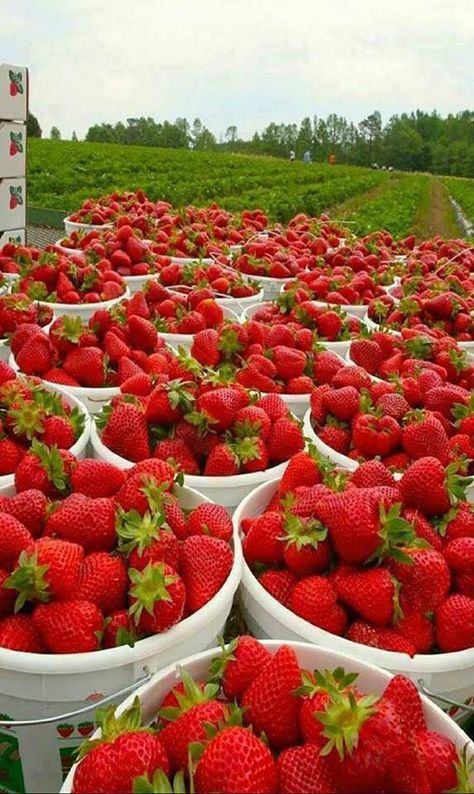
[
  {"x": 55, "y": 134},
  {"x": 74, "y": 137},
  {"x": 33, "y": 129}
]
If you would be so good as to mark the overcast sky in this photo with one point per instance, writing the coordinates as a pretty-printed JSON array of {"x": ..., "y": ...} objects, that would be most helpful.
[{"x": 243, "y": 62}]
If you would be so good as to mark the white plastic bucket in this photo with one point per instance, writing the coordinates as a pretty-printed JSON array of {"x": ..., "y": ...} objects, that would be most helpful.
[
  {"x": 76, "y": 252},
  {"x": 82, "y": 310},
  {"x": 35, "y": 686},
  {"x": 188, "y": 260},
  {"x": 93, "y": 399},
  {"x": 136, "y": 283},
  {"x": 73, "y": 226},
  {"x": 450, "y": 675},
  {"x": 227, "y": 491},
  {"x": 78, "y": 449},
  {"x": 371, "y": 680}
]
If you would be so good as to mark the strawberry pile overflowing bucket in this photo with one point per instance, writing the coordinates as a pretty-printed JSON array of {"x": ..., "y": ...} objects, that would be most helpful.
[{"x": 51, "y": 699}]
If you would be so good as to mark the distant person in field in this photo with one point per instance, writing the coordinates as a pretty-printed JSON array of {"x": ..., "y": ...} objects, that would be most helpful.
[
  {"x": 292, "y": 156},
  {"x": 307, "y": 156}
]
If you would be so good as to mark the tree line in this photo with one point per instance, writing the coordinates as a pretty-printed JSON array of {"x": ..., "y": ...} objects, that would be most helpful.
[{"x": 417, "y": 141}]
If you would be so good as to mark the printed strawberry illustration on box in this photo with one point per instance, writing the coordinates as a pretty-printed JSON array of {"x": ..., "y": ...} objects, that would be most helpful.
[
  {"x": 65, "y": 730},
  {"x": 86, "y": 728},
  {"x": 16, "y": 83},
  {"x": 16, "y": 143},
  {"x": 16, "y": 196}
]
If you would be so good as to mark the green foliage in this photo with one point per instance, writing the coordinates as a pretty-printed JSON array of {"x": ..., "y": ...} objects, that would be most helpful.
[
  {"x": 33, "y": 128},
  {"x": 462, "y": 190}
]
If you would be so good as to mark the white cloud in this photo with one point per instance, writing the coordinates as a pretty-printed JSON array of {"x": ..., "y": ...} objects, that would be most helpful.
[{"x": 238, "y": 61}]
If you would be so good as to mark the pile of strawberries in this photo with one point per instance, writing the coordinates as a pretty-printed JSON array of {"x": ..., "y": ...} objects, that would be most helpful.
[
  {"x": 446, "y": 314},
  {"x": 339, "y": 286},
  {"x": 56, "y": 278},
  {"x": 399, "y": 421},
  {"x": 93, "y": 557},
  {"x": 200, "y": 429},
  {"x": 30, "y": 414},
  {"x": 258, "y": 722},
  {"x": 329, "y": 324},
  {"x": 106, "y": 351},
  {"x": 393, "y": 357},
  {"x": 17, "y": 309},
  {"x": 122, "y": 250},
  {"x": 384, "y": 563},
  {"x": 211, "y": 279},
  {"x": 174, "y": 313},
  {"x": 279, "y": 358},
  {"x": 13, "y": 257}
]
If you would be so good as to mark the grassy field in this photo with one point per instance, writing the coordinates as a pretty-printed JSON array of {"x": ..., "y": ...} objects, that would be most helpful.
[
  {"x": 61, "y": 174},
  {"x": 462, "y": 190}
]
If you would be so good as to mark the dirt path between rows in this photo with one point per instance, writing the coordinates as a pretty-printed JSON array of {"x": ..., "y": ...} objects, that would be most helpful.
[{"x": 437, "y": 215}]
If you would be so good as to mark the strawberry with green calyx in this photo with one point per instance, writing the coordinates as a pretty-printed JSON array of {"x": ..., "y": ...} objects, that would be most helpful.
[
  {"x": 125, "y": 430},
  {"x": 252, "y": 454},
  {"x": 424, "y": 435},
  {"x": 72, "y": 626},
  {"x": 464, "y": 416},
  {"x": 315, "y": 689},
  {"x": 186, "y": 695},
  {"x": 45, "y": 469},
  {"x": 205, "y": 563},
  {"x": 238, "y": 664},
  {"x": 195, "y": 726},
  {"x": 118, "y": 630},
  {"x": 366, "y": 525},
  {"x": 303, "y": 770},
  {"x": 305, "y": 550},
  {"x": 233, "y": 339},
  {"x": 66, "y": 333},
  {"x": 48, "y": 570},
  {"x": 305, "y": 468},
  {"x": 168, "y": 402},
  {"x": 429, "y": 487},
  {"x": 157, "y": 597},
  {"x": 251, "y": 421},
  {"x": 373, "y": 594},
  {"x": 146, "y": 539}
]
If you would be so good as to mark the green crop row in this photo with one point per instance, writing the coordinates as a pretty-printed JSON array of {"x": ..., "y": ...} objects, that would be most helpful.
[
  {"x": 62, "y": 174},
  {"x": 394, "y": 208}
]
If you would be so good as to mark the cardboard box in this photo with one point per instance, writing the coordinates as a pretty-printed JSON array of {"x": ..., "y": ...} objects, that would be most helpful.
[
  {"x": 13, "y": 92},
  {"x": 12, "y": 203},
  {"x": 13, "y": 236},
  {"x": 12, "y": 149}
]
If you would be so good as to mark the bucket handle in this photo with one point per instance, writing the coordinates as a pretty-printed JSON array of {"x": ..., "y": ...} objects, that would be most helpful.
[
  {"x": 96, "y": 704},
  {"x": 443, "y": 699}
]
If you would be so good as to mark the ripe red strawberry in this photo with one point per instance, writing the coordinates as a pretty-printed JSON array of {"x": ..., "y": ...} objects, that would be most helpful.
[
  {"x": 118, "y": 630},
  {"x": 365, "y": 523},
  {"x": 115, "y": 347},
  {"x": 157, "y": 597},
  {"x": 14, "y": 538},
  {"x": 219, "y": 407},
  {"x": 236, "y": 755},
  {"x": 270, "y": 703},
  {"x": 279, "y": 584},
  {"x": 404, "y": 695},
  {"x": 262, "y": 543},
  {"x": 48, "y": 569},
  {"x": 87, "y": 365},
  {"x": 427, "y": 486},
  {"x": 103, "y": 580},
  {"x": 36, "y": 355},
  {"x": 142, "y": 333},
  {"x": 425, "y": 436},
  {"x": 285, "y": 440},
  {"x": 238, "y": 665},
  {"x": 368, "y": 354},
  {"x": 459, "y": 522},
  {"x": 455, "y": 623},
  {"x": 425, "y": 578},
  {"x": 372, "y": 594},
  {"x": 252, "y": 421},
  {"x": 69, "y": 626},
  {"x": 304, "y": 468},
  {"x": 315, "y": 600},
  {"x": 210, "y": 519},
  {"x": 85, "y": 521},
  {"x": 417, "y": 627},
  {"x": 126, "y": 432},
  {"x": 10, "y": 456},
  {"x": 177, "y": 453},
  {"x": 205, "y": 347},
  {"x": 302, "y": 770},
  {"x": 7, "y": 596},
  {"x": 147, "y": 539},
  {"x": 335, "y": 436},
  {"x": 189, "y": 725},
  {"x": 273, "y": 405},
  {"x": 353, "y": 376},
  {"x": 376, "y": 637},
  {"x": 96, "y": 478},
  {"x": 221, "y": 461},
  {"x": 393, "y": 405},
  {"x": 252, "y": 454},
  {"x": 19, "y": 633},
  {"x": 440, "y": 761},
  {"x": 372, "y": 473},
  {"x": 459, "y": 554},
  {"x": 168, "y": 402},
  {"x": 305, "y": 546},
  {"x": 374, "y": 435},
  {"x": 289, "y": 363},
  {"x": 205, "y": 564},
  {"x": 43, "y": 469},
  {"x": 343, "y": 403},
  {"x": 29, "y": 507}
]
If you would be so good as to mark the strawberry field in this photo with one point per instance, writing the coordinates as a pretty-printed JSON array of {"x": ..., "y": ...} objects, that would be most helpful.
[{"x": 197, "y": 398}]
